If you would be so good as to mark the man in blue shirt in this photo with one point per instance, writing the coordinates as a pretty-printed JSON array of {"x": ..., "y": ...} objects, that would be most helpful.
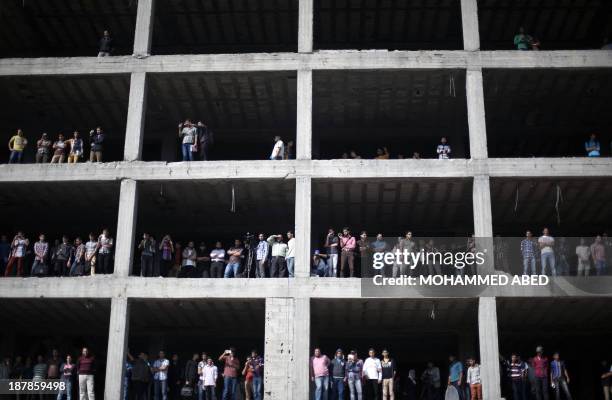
[
  {"x": 592, "y": 146},
  {"x": 455, "y": 374},
  {"x": 559, "y": 377}
]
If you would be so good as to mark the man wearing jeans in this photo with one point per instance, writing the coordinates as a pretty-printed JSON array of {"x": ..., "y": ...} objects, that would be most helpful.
[
  {"x": 290, "y": 258},
  {"x": 559, "y": 377},
  {"x": 230, "y": 373},
  {"x": 235, "y": 256},
  {"x": 546, "y": 243},
  {"x": 598, "y": 252},
  {"x": 262, "y": 252},
  {"x": 539, "y": 364},
  {"x": 455, "y": 375},
  {"x": 331, "y": 243},
  {"x": 187, "y": 134},
  {"x": 354, "y": 366},
  {"x": 319, "y": 374},
  {"x": 160, "y": 377},
  {"x": 517, "y": 371},
  {"x": 147, "y": 248},
  {"x": 85, "y": 369},
  {"x": 528, "y": 250},
  {"x": 338, "y": 369},
  {"x": 257, "y": 364}
]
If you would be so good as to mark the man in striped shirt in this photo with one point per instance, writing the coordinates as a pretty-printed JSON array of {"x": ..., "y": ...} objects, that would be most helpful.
[
  {"x": 262, "y": 251},
  {"x": 528, "y": 250},
  {"x": 78, "y": 263},
  {"x": 517, "y": 372}
]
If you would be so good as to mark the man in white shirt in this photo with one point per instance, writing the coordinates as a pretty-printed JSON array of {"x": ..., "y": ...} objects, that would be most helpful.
[
  {"x": 209, "y": 378},
  {"x": 278, "y": 150},
  {"x": 443, "y": 150},
  {"x": 546, "y": 244},
  {"x": 160, "y": 377},
  {"x": 372, "y": 374},
  {"x": 278, "y": 264},
  {"x": 187, "y": 133},
  {"x": 473, "y": 379},
  {"x": 290, "y": 259},
  {"x": 583, "y": 252}
]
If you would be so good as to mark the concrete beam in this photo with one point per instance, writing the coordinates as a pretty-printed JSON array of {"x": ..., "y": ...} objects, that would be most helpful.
[
  {"x": 323, "y": 60},
  {"x": 303, "y": 223},
  {"x": 317, "y": 169},
  {"x": 305, "y": 22},
  {"x": 116, "y": 350},
  {"x": 144, "y": 27},
  {"x": 126, "y": 227},
  {"x": 489, "y": 348},
  {"x": 476, "y": 114},
  {"x": 134, "y": 132},
  {"x": 109, "y": 286},
  {"x": 469, "y": 20},
  {"x": 304, "y": 115},
  {"x": 483, "y": 219}
]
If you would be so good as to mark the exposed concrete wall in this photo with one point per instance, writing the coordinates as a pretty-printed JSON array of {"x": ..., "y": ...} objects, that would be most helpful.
[
  {"x": 126, "y": 227},
  {"x": 469, "y": 22},
  {"x": 117, "y": 346},
  {"x": 305, "y": 23},
  {"x": 303, "y": 223},
  {"x": 280, "y": 316},
  {"x": 489, "y": 348},
  {"x": 144, "y": 27},
  {"x": 136, "y": 117}
]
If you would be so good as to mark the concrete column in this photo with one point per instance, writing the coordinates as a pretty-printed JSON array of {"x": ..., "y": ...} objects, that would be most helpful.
[
  {"x": 481, "y": 198},
  {"x": 301, "y": 349},
  {"x": 144, "y": 27},
  {"x": 304, "y": 115},
  {"x": 469, "y": 20},
  {"x": 278, "y": 351},
  {"x": 303, "y": 206},
  {"x": 489, "y": 348},
  {"x": 305, "y": 19},
  {"x": 126, "y": 227},
  {"x": 476, "y": 113},
  {"x": 117, "y": 345},
  {"x": 134, "y": 132}
]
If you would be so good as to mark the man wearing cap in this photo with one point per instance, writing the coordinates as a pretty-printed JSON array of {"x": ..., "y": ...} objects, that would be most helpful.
[
  {"x": 539, "y": 363},
  {"x": 319, "y": 265},
  {"x": 338, "y": 369},
  {"x": 43, "y": 149}
]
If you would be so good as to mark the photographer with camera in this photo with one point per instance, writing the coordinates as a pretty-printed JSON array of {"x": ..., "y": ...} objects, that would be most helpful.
[
  {"x": 278, "y": 266},
  {"x": 231, "y": 366}
]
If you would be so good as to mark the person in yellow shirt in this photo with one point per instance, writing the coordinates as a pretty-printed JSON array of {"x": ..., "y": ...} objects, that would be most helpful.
[{"x": 16, "y": 146}]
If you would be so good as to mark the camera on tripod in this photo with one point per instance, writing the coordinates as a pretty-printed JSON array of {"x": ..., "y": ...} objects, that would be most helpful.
[{"x": 249, "y": 238}]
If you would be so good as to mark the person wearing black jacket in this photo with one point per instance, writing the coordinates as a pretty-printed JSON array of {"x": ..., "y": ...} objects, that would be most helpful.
[
  {"x": 175, "y": 374},
  {"x": 141, "y": 375},
  {"x": 96, "y": 138},
  {"x": 105, "y": 46},
  {"x": 389, "y": 371},
  {"x": 205, "y": 136},
  {"x": 191, "y": 371}
]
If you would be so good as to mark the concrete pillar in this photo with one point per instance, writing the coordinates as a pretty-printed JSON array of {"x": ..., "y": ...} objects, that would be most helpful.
[
  {"x": 301, "y": 349},
  {"x": 305, "y": 18},
  {"x": 144, "y": 27},
  {"x": 303, "y": 206},
  {"x": 469, "y": 20},
  {"x": 278, "y": 351},
  {"x": 476, "y": 113},
  {"x": 304, "y": 115},
  {"x": 126, "y": 227},
  {"x": 117, "y": 345},
  {"x": 489, "y": 348},
  {"x": 481, "y": 198},
  {"x": 134, "y": 131}
]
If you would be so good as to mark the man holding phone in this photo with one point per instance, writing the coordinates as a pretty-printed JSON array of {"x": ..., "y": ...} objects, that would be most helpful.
[{"x": 231, "y": 367}]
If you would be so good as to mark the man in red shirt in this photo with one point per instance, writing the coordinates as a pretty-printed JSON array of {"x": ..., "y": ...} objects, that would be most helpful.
[
  {"x": 231, "y": 368},
  {"x": 86, "y": 368},
  {"x": 347, "y": 255},
  {"x": 539, "y": 363}
]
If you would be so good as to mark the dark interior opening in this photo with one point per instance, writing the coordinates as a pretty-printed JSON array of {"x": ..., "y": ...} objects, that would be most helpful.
[
  {"x": 65, "y": 28},
  {"x": 406, "y": 111},
  {"x": 578, "y": 328},
  {"x": 392, "y": 25},
  {"x": 243, "y": 110},
  {"x": 38, "y": 326},
  {"x": 63, "y": 104},
  {"x": 570, "y": 25},
  {"x": 547, "y": 113},
  {"x": 212, "y": 26},
  {"x": 569, "y": 207},
  {"x": 413, "y": 331}
]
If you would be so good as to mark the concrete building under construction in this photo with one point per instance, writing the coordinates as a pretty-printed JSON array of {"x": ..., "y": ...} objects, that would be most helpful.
[{"x": 331, "y": 76}]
